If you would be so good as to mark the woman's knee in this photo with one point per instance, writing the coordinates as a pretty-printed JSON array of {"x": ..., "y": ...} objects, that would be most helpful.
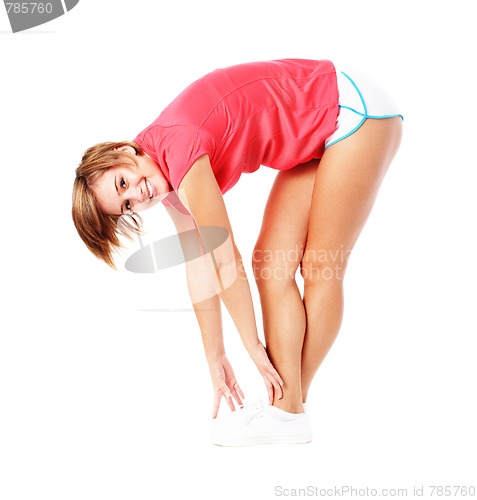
[
  {"x": 273, "y": 269},
  {"x": 324, "y": 266}
]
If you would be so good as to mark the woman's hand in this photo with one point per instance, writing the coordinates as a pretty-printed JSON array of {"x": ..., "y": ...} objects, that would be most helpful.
[
  {"x": 225, "y": 384},
  {"x": 272, "y": 379}
]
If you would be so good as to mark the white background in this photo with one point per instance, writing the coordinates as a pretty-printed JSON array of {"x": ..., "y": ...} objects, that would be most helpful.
[{"x": 104, "y": 389}]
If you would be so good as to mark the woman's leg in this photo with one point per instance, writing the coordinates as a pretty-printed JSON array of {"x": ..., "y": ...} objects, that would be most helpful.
[
  {"x": 346, "y": 185},
  {"x": 276, "y": 258}
]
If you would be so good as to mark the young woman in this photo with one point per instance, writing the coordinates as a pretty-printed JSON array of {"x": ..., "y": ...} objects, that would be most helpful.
[{"x": 332, "y": 136}]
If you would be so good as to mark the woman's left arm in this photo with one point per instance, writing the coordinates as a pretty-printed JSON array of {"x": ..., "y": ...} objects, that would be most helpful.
[{"x": 201, "y": 195}]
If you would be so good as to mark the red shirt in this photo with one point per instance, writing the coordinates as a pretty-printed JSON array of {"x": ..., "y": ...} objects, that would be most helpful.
[{"x": 275, "y": 113}]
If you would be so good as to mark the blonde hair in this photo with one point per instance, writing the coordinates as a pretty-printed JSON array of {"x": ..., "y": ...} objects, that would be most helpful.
[{"x": 99, "y": 231}]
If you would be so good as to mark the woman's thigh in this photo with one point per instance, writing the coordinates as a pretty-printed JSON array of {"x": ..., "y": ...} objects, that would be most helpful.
[
  {"x": 346, "y": 185},
  {"x": 283, "y": 234}
]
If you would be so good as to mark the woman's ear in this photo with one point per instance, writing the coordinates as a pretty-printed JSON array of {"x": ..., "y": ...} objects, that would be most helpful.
[{"x": 127, "y": 149}]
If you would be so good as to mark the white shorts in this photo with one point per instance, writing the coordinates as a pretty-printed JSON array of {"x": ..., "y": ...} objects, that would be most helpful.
[{"x": 359, "y": 98}]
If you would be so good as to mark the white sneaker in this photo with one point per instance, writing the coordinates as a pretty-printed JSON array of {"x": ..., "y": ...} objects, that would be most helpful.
[{"x": 253, "y": 424}]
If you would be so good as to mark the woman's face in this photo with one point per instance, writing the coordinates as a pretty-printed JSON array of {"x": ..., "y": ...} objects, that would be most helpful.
[{"x": 122, "y": 190}]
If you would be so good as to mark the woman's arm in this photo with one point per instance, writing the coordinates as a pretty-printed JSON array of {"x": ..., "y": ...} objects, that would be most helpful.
[
  {"x": 207, "y": 307},
  {"x": 202, "y": 287},
  {"x": 201, "y": 195}
]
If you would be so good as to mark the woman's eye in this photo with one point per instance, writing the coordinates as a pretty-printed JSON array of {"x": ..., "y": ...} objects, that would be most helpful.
[
  {"x": 122, "y": 183},
  {"x": 128, "y": 205}
]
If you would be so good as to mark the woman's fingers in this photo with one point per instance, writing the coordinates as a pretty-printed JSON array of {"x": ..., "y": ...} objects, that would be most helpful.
[
  {"x": 273, "y": 378},
  {"x": 278, "y": 388},
  {"x": 223, "y": 390},
  {"x": 235, "y": 390},
  {"x": 277, "y": 384},
  {"x": 273, "y": 373},
  {"x": 237, "y": 394},
  {"x": 230, "y": 394},
  {"x": 239, "y": 391},
  {"x": 217, "y": 398},
  {"x": 270, "y": 391},
  {"x": 230, "y": 403},
  {"x": 273, "y": 388}
]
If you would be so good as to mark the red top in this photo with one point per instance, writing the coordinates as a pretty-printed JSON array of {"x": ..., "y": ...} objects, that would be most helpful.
[{"x": 274, "y": 113}]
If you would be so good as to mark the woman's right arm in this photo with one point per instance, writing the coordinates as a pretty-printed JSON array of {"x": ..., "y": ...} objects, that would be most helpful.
[
  {"x": 201, "y": 195},
  {"x": 207, "y": 308}
]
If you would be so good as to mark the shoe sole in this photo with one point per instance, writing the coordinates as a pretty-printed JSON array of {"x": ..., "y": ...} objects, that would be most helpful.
[{"x": 264, "y": 440}]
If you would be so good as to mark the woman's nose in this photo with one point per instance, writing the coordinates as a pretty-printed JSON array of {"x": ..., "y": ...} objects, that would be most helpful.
[{"x": 135, "y": 194}]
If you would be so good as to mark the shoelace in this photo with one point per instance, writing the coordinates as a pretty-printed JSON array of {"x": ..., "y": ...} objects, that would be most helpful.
[{"x": 247, "y": 412}]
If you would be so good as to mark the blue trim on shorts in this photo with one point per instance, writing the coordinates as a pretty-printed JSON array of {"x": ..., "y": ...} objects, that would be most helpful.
[
  {"x": 371, "y": 116},
  {"x": 364, "y": 115},
  {"x": 360, "y": 96},
  {"x": 348, "y": 134}
]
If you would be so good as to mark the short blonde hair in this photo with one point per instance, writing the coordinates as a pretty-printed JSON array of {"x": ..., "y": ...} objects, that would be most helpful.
[{"x": 100, "y": 231}]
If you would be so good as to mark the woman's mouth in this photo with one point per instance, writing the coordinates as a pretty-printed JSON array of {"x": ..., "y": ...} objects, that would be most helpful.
[{"x": 150, "y": 189}]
